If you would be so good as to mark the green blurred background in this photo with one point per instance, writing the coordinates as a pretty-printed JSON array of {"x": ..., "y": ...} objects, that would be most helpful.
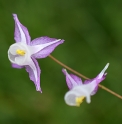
[{"x": 92, "y": 30}]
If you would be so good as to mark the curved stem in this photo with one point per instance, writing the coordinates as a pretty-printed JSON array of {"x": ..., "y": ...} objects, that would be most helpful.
[{"x": 77, "y": 73}]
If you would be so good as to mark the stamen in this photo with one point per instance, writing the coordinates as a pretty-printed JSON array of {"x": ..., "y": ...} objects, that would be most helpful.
[
  {"x": 79, "y": 100},
  {"x": 20, "y": 52}
]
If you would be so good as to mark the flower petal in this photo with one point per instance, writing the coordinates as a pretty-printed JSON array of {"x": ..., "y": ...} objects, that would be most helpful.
[
  {"x": 70, "y": 98},
  {"x": 20, "y": 60},
  {"x": 101, "y": 76},
  {"x": 78, "y": 91},
  {"x": 43, "y": 46},
  {"x": 85, "y": 90},
  {"x": 16, "y": 66},
  {"x": 21, "y": 33},
  {"x": 69, "y": 80},
  {"x": 90, "y": 87},
  {"x": 95, "y": 90},
  {"x": 34, "y": 73},
  {"x": 76, "y": 79},
  {"x": 89, "y": 81}
]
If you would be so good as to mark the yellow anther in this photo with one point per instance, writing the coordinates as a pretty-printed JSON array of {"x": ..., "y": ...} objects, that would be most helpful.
[
  {"x": 20, "y": 52},
  {"x": 79, "y": 100}
]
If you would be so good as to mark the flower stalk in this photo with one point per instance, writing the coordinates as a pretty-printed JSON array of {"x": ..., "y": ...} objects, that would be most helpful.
[{"x": 80, "y": 75}]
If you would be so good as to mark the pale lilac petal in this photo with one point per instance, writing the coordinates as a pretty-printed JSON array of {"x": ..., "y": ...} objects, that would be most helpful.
[
  {"x": 100, "y": 77},
  {"x": 95, "y": 90},
  {"x": 88, "y": 81},
  {"x": 97, "y": 80},
  {"x": 103, "y": 71},
  {"x": 21, "y": 32},
  {"x": 42, "y": 40},
  {"x": 91, "y": 87},
  {"x": 97, "y": 83},
  {"x": 35, "y": 79},
  {"x": 76, "y": 79},
  {"x": 16, "y": 66},
  {"x": 69, "y": 80},
  {"x": 43, "y": 46}
]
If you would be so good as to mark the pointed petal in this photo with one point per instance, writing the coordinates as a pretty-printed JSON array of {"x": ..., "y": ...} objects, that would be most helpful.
[
  {"x": 34, "y": 73},
  {"x": 88, "y": 81},
  {"x": 21, "y": 33},
  {"x": 96, "y": 87},
  {"x": 69, "y": 80},
  {"x": 95, "y": 90},
  {"x": 43, "y": 46},
  {"x": 101, "y": 76},
  {"x": 90, "y": 87},
  {"x": 102, "y": 73},
  {"x": 16, "y": 66},
  {"x": 76, "y": 79}
]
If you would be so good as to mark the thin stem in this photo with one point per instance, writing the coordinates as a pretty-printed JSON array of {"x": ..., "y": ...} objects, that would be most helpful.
[{"x": 77, "y": 73}]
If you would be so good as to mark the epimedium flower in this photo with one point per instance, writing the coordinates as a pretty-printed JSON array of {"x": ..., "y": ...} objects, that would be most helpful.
[
  {"x": 79, "y": 90},
  {"x": 24, "y": 52}
]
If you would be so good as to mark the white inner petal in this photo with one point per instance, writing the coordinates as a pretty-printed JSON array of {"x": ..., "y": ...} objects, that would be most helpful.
[
  {"x": 70, "y": 98},
  {"x": 13, "y": 50},
  {"x": 37, "y": 48},
  {"x": 14, "y": 47},
  {"x": 90, "y": 86},
  {"x": 88, "y": 98},
  {"x": 20, "y": 60},
  {"x": 78, "y": 91},
  {"x": 16, "y": 58},
  {"x": 85, "y": 90},
  {"x": 11, "y": 57}
]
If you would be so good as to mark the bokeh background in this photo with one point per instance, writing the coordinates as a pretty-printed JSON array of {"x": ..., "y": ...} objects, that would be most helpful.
[{"x": 92, "y": 30}]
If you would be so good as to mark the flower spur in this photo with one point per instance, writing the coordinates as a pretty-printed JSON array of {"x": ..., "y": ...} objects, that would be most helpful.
[
  {"x": 24, "y": 52},
  {"x": 78, "y": 91}
]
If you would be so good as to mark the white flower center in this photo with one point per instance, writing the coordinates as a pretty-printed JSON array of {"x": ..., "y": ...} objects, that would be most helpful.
[
  {"x": 19, "y": 53},
  {"x": 75, "y": 96}
]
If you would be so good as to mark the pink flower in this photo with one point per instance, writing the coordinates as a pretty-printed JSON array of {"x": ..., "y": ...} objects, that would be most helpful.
[
  {"x": 79, "y": 90},
  {"x": 24, "y": 52}
]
